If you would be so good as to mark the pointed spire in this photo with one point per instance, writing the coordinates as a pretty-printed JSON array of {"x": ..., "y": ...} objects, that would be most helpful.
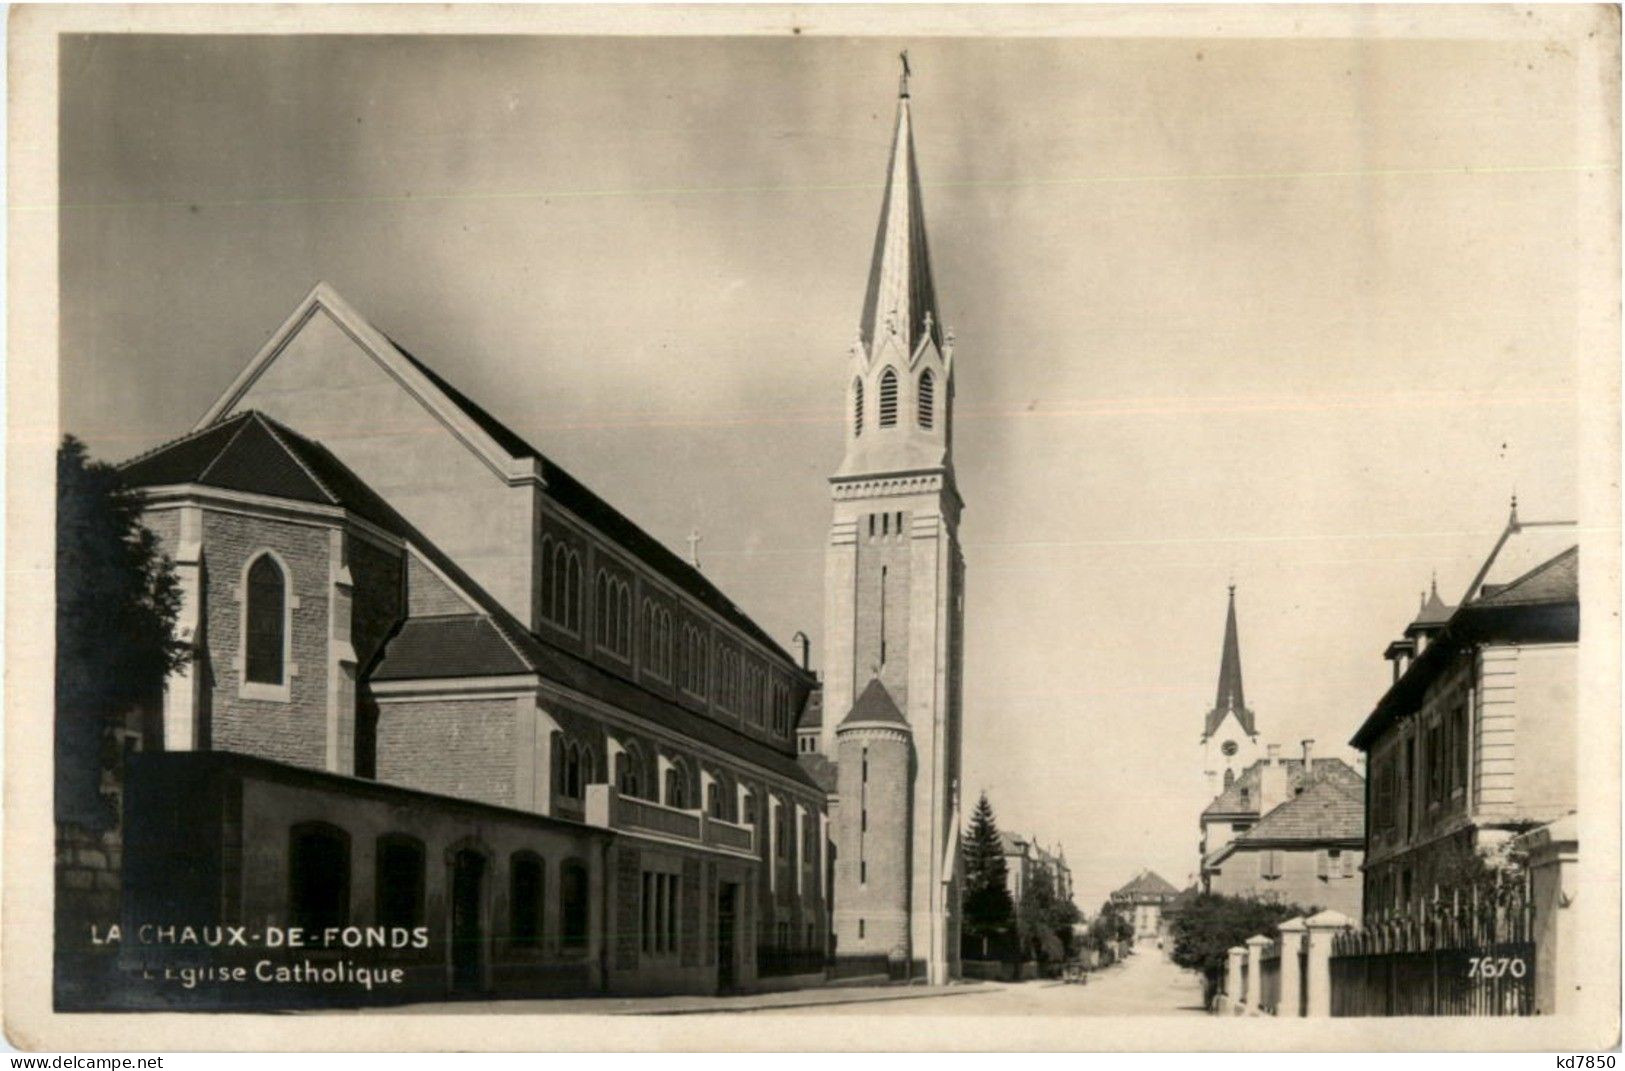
[
  {"x": 901, "y": 298},
  {"x": 1230, "y": 696}
]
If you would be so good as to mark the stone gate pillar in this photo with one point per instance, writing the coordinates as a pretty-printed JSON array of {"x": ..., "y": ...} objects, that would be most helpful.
[
  {"x": 1290, "y": 1003},
  {"x": 1322, "y": 929},
  {"x": 1232, "y": 978},
  {"x": 1255, "y": 973},
  {"x": 1554, "y": 859}
]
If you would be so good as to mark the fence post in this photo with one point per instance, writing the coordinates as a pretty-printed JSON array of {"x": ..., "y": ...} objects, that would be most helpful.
[
  {"x": 1322, "y": 929},
  {"x": 1255, "y": 973},
  {"x": 1232, "y": 978},
  {"x": 1554, "y": 859},
  {"x": 1290, "y": 1003}
]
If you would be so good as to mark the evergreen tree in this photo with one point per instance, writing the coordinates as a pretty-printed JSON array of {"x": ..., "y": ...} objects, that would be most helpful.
[
  {"x": 116, "y": 605},
  {"x": 987, "y": 910}
]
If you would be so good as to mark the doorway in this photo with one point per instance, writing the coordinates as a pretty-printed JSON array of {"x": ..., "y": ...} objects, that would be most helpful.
[
  {"x": 727, "y": 914},
  {"x": 467, "y": 929}
]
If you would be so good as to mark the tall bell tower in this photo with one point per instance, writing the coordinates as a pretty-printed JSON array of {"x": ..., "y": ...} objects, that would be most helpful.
[{"x": 894, "y": 605}]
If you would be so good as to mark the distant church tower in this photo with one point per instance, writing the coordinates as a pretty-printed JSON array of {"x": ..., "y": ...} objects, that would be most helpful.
[
  {"x": 893, "y": 608},
  {"x": 1229, "y": 738}
]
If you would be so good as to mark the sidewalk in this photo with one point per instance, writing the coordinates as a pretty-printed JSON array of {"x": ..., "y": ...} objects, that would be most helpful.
[{"x": 821, "y": 996}]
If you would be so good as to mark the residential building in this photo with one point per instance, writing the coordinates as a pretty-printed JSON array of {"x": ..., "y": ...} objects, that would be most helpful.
[
  {"x": 1024, "y": 858},
  {"x": 1143, "y": 900},
  {"x": 1475, "y": 741},
  {"x": 1303, "y": 843}
]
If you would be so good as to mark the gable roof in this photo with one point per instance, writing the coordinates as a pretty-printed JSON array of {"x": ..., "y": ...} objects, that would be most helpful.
[
  {"x": 449, "y": 646},
  {"x": 1541, "y": 604},
  {"x": 501, "y": 448},
  {"x": 875, "y": 705},
  {"x": 1555, "y": 580},
  {"x": 1326, "y": 811},
  {"x": 820, "y": 770},
  {"x": 1146, "y": 883},
  {"x": 1241, "y": 797},
  {"x": 812, "y": 712},
  {"x": 252, "y": 452}
]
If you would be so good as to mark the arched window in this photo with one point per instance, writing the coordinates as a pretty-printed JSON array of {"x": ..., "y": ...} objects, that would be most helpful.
[
  {"x": 266, "y": 629},
  {"x": 572, "y": 770},
  {"x": 561, "y": 602},
  {"x": 527, "y": 880},
  {"x": 888, "y": 398},
  {"x": 601, "y": 610},
  {"x": 318, "y": 877},
  {"x": 630, "y": 775},
  {"x": 623, "y": 619},
  {"x": 677, "y": 786},
  {"x": 928, "y": 387},
  {"x": 399, "y": 872},
  {"x": 573, "y": 906},
  {"x": 857, "y": 407}
]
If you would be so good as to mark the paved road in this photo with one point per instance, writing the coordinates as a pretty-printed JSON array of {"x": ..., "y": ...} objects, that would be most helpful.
[
  {"x": 1144, "y": 984},
  {"x": 1147, "y": 983}
]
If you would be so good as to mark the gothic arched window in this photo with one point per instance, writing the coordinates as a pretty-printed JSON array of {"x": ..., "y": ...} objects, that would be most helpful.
[
  {"x": 857, "y": 407},
  {"x": 563, "y": 600},
  {"x": 888, "y": 398},
  {"x": 266, "y": 632},
  {"x": 927, "y": 399}
]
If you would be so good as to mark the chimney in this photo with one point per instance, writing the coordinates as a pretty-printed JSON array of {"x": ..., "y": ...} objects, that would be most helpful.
[
  {"x": 1309, "y": 756},
  {"x": 1271, "y": 782}
]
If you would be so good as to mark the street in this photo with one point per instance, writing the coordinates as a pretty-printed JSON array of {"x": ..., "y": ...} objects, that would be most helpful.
[{"x": 1147, "y": 983}]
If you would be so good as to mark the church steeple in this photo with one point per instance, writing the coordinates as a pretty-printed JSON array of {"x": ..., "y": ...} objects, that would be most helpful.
[
  {"x": 1230, "y": 695},
  {"x": 901, "y": 301},
  {"x": 893, "y": 606},
  {"x": 901, "y": 369},
  {"x": 1229, "y": 737},
  {"x": 1230, "y": 701}
]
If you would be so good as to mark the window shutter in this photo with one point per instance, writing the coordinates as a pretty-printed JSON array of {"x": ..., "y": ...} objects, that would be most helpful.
[
  {"x": 1322, "y": 864},
  {"x": 1348, "y": 864}
]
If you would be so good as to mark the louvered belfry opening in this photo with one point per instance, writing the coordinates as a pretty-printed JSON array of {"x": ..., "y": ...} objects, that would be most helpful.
[{"x": 888, "y": 398}]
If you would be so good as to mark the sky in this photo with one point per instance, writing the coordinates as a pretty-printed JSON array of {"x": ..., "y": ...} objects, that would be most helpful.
[{"x": 1294, "y": 314}]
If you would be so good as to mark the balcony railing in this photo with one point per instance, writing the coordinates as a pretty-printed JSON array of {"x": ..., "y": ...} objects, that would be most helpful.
[
  {"x": 607, "y": 807},
  {"x": 725, "y": 834}
]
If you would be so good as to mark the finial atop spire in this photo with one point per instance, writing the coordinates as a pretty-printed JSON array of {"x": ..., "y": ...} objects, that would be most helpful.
[
  {"x": 902, "y": 80},
  {"x": 1513, "y": 520}
]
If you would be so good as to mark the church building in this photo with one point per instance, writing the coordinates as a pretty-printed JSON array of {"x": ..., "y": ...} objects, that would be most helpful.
[{"x": 440, "y": 685}]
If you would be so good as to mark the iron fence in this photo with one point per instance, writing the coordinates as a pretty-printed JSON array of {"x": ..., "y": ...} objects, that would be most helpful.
[{"x": 1471, "y": 954}]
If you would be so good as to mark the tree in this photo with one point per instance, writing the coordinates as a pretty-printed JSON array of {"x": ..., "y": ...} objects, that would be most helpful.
[
  {"x": 1045, "y": 920},
  {"x": 988, "y": 912},
  {"x": 1210, "y": 925},
  {"x": 1108, "y": 928},
  {"x": 116, "y": 604}
]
